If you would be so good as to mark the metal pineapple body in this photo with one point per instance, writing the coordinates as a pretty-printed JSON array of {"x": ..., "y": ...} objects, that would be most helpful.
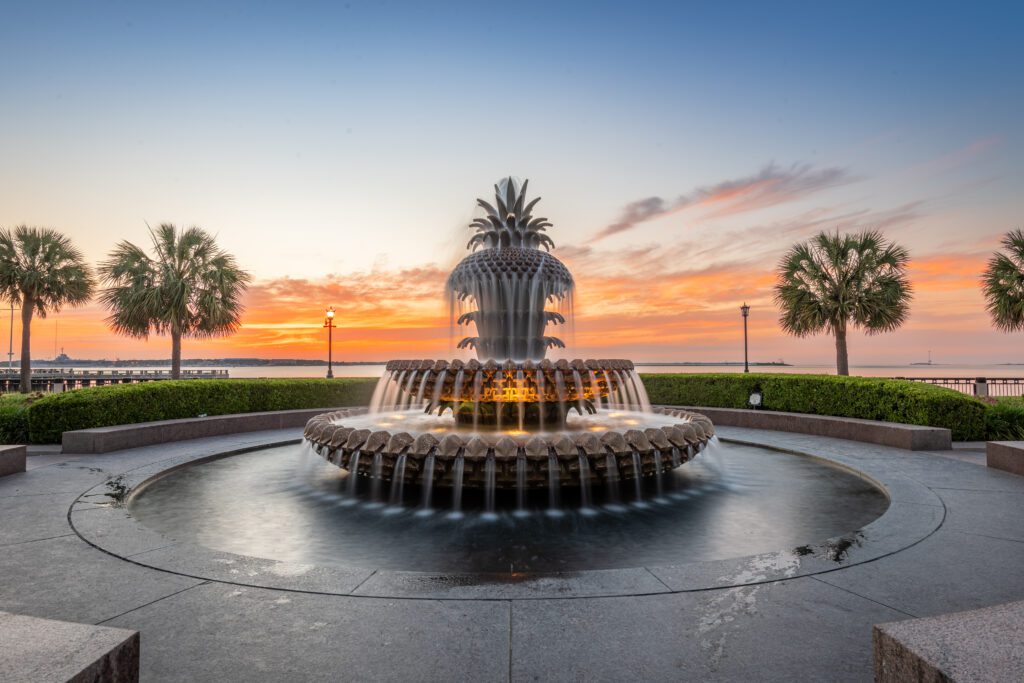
[{"x": 510, "y": 281}]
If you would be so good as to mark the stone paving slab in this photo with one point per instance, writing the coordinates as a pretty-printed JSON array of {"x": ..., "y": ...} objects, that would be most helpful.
[
  {"x": 954, "y": 475},
  {"x": 70, "y": 478},
  {"x": 987, "y": 513},
  {"x": 785, "y": 631},
  {"x": 947, "y": 572},
  {"x": 115, "y": 531},
  {"x": 635, "y": 581},
  {"x": 64, "y": 578},
  {"x": 31, "y": 518},
  {"x": 218, "y": 632}
]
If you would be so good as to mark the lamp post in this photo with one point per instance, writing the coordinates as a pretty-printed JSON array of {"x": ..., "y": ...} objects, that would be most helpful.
[
  {"x": 745, "y": 310},
  {"x": 329, "y": 324},
  {"x": 10, "y": 349}
]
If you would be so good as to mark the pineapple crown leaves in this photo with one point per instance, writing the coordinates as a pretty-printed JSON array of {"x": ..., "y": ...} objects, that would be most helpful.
[{"x": 509, "y": 223}]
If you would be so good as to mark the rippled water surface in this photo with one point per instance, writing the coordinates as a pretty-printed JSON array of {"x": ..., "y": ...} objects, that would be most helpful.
[{"x": 288, "y": 504}]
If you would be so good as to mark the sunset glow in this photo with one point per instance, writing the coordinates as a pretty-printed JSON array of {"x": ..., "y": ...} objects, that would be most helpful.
[{"x": 341, "y": 166}]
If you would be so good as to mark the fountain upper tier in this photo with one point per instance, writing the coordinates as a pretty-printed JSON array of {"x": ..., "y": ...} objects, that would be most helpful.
[
  {"x": 525, "y": 393},
  {"x": 504, "y": 288}
]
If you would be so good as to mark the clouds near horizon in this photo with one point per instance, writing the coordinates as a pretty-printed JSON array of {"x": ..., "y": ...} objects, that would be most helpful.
[{"x": 771, "y": 186}]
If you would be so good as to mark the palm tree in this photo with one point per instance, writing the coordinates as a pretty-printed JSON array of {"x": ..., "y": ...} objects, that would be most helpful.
[
  {"x": 836, "y": 281},
  {"x": 41, "y": 270},
  {"x": 1003, "y": 284},
  {"x": 190, "y": 287}
]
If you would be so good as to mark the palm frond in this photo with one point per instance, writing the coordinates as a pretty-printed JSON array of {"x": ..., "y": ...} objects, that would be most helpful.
[
  {"x": 189, "y": 286},
  {"x": 42, "y": 266},
  {"x": 838, "y": 279},
  {"x": 1002, "y": 284}
]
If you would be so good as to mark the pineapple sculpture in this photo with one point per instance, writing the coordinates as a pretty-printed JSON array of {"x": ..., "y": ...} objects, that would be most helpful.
[{"x": 509, "y": 279}]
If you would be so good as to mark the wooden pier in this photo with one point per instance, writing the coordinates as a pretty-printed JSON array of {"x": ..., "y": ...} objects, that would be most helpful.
[{"x": 64, "y": 379}]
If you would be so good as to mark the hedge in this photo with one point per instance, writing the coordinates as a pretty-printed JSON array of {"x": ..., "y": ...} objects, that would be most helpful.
[
  {"x": 14, "y": 417},
  {"x": 43, "y": 420},
  {"x": 867, "y": 398},
  {"x": 55, "y": 414},
  {"x": 1004, "y": 420}
]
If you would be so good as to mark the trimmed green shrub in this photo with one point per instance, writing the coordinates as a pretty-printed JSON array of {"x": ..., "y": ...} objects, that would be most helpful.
[
  {"x": 14, "y": 417},
  {"x": 1004, "y": 420},
  {"x": 868, "y": 398},
  {"x": 53, "y": 415},
  {"x": 43, "y": 420}
]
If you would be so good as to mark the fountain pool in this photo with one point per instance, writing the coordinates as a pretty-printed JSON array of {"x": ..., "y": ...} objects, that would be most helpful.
[{"x": 286, "y": 504}]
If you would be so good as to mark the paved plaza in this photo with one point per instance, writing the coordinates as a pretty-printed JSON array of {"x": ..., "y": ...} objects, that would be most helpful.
[{"x": 952, "y": 539}]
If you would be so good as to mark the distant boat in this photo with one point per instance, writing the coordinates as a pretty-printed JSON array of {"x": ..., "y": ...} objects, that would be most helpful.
[{"x": 929, "y": 362}]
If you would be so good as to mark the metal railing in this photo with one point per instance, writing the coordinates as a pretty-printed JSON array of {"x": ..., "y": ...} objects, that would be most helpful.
[
  {"x": 63, "y": 379},
  {"x": 981, "y": 387}
]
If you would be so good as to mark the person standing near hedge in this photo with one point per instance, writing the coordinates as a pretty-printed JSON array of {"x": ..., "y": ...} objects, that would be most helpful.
[
  {"x": 190, "y": 288},
  {"x": 41, "y": 270},
  {"x": 837, "y": 281}
]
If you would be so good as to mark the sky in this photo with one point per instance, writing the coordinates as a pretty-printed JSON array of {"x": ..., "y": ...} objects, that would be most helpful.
[{"x": 337, "y": 149}]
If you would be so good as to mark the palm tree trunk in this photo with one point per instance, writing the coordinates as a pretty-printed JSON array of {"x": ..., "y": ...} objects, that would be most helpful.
[
  {"x": 842, "y": 355},
  {"x": 27, "y": 306},
  {"x": 175, "y": 354}
]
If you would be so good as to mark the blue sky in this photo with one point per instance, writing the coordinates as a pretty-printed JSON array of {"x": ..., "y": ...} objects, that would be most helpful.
[{"x": 323, "y": 140}]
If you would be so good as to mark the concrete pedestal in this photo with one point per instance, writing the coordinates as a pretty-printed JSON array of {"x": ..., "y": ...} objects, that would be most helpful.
[
  {"x": 12, "y": 460},
  {"x": 42, "y": 650}
]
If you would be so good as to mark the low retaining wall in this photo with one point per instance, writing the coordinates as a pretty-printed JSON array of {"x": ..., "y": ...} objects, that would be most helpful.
[
  {"x": 12, "y": 459},
  {"x": 33, "y": 649},
  {"x": 979, "y": 645},
  {"x": 909, "y": 437},
  {"x": 1005, "y": 455},
  {"x": 107, "y": 439}
]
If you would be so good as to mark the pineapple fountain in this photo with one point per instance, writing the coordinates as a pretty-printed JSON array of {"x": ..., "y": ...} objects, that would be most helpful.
[{"x": 510, "y": 418}]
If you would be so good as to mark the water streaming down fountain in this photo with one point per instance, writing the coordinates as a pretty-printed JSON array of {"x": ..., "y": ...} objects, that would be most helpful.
[
  {"x": 521, "y": 484},
  {"x": 489, "y": 485},
  {"x": 554, "y": 475},
  {"x": 509, "y": 418},
  {"x": 427, "y": 485},
  {"x": 457, "y": 476},
  {"x": 584, "y": 482},
  {"x": 611, "y": 480},
  {"x": 637, "y": 467},
  {"x": 398, "y": 481}
]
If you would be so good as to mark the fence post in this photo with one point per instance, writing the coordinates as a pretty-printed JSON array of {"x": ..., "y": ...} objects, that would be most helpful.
[{"x": 981, "y": 387}]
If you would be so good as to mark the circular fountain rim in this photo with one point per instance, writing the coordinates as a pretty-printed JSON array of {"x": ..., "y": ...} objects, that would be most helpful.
[{"x": 914, "y": 513}]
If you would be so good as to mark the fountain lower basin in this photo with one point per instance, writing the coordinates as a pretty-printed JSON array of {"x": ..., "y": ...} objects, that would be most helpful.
[{"x": 426, "y": 449}]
